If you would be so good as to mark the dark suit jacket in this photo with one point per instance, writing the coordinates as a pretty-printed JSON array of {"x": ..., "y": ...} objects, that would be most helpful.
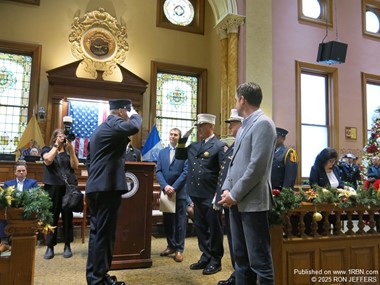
[
  {"x": 319, "y": 177},
  {"x": 373, "y": 171},
  {"x": 105, "y": 161},
  {"x": 173, "y": 174},
  {"x": 28, "y": 184},
  {"x": 204, "y": 163}
]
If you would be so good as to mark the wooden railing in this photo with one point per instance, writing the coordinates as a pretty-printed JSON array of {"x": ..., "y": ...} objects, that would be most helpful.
[{"x": 309, "y": 252}]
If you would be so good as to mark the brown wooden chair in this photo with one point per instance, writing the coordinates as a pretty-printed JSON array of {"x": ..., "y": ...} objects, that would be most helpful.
[
  {"x": 81, "y": 218},
  {"x": 156, "y": 213}
]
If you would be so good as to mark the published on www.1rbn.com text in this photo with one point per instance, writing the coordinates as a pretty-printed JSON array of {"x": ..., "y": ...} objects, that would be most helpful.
[{"x": 354, "y": 275}]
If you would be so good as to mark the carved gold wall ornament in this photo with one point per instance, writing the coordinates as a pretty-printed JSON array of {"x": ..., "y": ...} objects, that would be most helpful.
[{"x": 99, "y": 41}]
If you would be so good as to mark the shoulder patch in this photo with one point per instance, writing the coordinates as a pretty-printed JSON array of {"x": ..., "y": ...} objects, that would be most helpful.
[{"x": 292, "y": 155}]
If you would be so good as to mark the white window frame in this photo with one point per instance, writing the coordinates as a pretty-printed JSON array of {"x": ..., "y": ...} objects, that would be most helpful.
[{"x": 332, "y": 118}]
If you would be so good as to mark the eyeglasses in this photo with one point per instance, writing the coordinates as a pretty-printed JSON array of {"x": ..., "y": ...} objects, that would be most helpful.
[{"x": 332, "y": 160}]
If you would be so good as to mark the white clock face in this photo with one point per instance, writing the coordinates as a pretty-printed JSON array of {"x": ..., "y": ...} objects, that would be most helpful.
[{"x": 179, "y": 12}]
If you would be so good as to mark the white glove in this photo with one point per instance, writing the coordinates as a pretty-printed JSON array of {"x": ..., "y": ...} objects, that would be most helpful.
[{"x": 131, "y": 112}]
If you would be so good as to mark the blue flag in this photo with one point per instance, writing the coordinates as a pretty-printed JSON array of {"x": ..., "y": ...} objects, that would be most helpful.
[{"x": 152, "y": 146}]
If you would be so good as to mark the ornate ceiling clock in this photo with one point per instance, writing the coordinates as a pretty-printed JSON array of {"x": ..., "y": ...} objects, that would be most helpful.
[{"x": 181, "y": 15}]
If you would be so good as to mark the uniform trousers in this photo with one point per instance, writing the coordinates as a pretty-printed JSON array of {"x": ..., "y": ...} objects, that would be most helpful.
[
  {"x": 104, "y": 209},
  {"x": 209, "y": 230},
  {"x": 252, "y": 248}
]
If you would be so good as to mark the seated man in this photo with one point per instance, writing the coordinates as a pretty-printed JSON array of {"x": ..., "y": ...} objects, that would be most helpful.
[
  {"x": 33, "y": 152},
  {"x": 21, "y": 183},
  {"x": 373, "y": 173}
]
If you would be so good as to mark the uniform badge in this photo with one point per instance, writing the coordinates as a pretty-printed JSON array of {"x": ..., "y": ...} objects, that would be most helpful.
[{"x": 206, "y": 154}]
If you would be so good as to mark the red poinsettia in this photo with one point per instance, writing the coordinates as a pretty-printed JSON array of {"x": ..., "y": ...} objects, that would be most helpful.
[
  {"x": 372, "y": 148},
  {"x": 376, "y": 184}
]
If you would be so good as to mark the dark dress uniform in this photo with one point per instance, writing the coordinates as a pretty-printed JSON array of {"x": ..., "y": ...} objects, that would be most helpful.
[
  {"x": 284, "y": 168},
  {"x": 222, "y": 176},
  {"x": 105, "y": 185},
  {"x": 350, "y": 173},
  {"x": 204, "y": 161}
]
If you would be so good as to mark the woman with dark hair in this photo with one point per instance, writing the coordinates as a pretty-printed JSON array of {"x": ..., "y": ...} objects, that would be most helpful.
[
  {"x": 325, "y": 173},
  {"x": 59, "y": 159}
]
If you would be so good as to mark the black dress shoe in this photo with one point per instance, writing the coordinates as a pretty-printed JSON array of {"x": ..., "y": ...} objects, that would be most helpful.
[
  {"x": 111, "y": 280},
  {"x": 229, "y": 281},
  {"x": 49, "y": 254},
  {"x": 67, "y": 252},
  {"x": 212, "y": 269},
  {"x": 198, "y": 265}
]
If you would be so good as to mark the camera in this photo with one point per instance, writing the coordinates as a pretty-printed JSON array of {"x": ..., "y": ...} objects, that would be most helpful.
[{"x": 67, "y": 122}]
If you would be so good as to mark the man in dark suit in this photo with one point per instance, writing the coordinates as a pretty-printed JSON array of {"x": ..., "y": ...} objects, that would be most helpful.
[
  {"x": 21, "y": 183},
  {"x": 204, "y": 159},
  {"x": 248, "y": 186},
  {"x": 105, "y": 185},
  {"x": 284, "y": 168},
  {"x": 171, "y": 175},
  {"x": 234, "y": 123}
]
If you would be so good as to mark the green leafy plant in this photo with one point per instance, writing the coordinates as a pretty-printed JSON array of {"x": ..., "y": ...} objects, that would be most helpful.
[
  {"x": 368, "y": 197},
  {"x": 285, "y": 200},
  {"x": 36, "y": 203}
]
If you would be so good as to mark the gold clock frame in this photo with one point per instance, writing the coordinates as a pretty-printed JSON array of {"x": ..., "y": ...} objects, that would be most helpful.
[{"x": 196, "y": 26}]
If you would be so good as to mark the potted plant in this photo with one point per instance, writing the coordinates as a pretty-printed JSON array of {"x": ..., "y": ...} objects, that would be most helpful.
[{"x": 34, "y": 203}]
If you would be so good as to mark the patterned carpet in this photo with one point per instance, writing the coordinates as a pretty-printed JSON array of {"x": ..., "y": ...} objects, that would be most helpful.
[{"x": 165, "y": 271}]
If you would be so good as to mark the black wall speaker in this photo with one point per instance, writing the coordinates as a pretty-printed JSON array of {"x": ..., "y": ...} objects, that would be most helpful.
[{"x": 332, "y": 52}]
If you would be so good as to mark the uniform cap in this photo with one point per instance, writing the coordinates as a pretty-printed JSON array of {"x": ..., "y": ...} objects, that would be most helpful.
[
  {"x": 120, "y": 104},
  {"x": 234, "y": 117},
  {"x": 205, "y": 119},
  {"x": 350, "y": 155},
  {"x": 281, "y": 132}
]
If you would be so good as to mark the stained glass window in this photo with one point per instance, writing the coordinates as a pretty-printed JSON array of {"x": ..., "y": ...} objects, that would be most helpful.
[
  {"x": 15, "y": 80},
  {"x": 176, "y": 104}
]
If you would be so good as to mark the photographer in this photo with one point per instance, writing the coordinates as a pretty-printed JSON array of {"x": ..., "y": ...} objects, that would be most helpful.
[{"x": 59, "y": 157}]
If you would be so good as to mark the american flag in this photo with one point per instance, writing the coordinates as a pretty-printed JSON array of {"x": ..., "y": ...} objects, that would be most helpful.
[{"x": 86, "y": 117}]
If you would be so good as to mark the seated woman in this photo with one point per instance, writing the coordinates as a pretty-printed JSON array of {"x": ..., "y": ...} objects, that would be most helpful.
[{"x": 324, "y": 173}]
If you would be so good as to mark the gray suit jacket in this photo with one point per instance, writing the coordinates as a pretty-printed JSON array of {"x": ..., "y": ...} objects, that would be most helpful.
[{"x": 249, "y": 176}]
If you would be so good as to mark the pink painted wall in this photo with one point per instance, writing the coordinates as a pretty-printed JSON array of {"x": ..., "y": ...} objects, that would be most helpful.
[{"x": 294, "y": 41}]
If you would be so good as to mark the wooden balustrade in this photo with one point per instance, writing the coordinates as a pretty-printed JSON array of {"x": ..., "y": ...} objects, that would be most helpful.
[{"x": 346, "y": 238}]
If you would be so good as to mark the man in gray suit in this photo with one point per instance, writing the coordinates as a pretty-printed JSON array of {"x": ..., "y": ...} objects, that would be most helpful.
[{"x": 248, "y": 185}]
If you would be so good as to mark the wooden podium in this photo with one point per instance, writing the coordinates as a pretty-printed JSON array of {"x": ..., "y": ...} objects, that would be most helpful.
[{"x": 134, "y": 227}]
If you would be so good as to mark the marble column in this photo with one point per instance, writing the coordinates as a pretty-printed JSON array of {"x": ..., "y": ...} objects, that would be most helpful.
[{"x": 228, "y": 26}]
